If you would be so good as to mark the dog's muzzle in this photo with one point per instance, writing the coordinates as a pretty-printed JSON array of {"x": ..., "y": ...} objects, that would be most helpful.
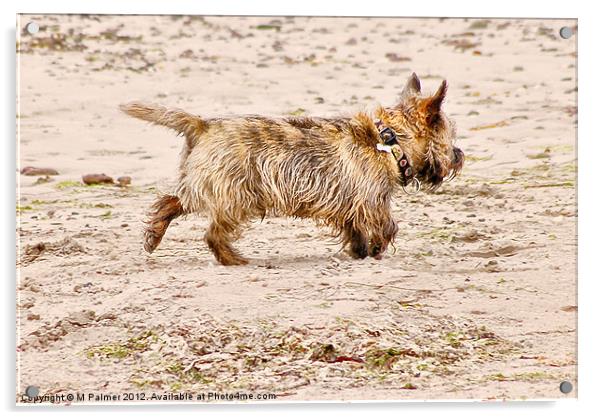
[{"x": 457, "y": 160}]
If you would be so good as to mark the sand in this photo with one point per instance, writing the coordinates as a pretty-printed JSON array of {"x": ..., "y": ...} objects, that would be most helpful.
[{"x": 476, "y": 301}]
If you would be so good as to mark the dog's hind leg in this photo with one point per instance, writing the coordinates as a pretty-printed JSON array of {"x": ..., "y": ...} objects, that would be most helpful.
[
  {"x": 220, "y": 234},
  {"x": 163, "y": 211}
]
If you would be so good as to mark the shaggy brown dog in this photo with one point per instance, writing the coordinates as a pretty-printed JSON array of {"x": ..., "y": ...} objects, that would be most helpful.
[{"x": 340, "y": 172}]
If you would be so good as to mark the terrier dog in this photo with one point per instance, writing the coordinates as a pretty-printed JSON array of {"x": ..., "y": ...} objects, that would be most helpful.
[{"x": 340, "y": 172}]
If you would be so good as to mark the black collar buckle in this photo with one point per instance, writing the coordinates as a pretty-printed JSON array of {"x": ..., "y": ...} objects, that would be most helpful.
[{"x": 388, "y": 136}]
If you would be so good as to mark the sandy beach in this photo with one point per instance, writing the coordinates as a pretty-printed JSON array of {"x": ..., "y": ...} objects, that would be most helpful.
[{"x": 477, "y": 300}]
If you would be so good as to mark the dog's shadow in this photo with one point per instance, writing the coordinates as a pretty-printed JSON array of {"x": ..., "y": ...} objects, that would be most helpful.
[{"x": 291, "y": 261}]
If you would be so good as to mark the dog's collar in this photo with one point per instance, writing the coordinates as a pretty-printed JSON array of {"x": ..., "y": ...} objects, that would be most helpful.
[{"x": 390, "y": 144}]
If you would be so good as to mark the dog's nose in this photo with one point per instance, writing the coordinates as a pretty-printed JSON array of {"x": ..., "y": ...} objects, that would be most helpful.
[{"x": 458, "y": 159}]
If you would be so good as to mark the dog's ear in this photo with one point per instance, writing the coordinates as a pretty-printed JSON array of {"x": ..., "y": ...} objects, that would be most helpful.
[
  {"x": 411, "y": 88},
  {"x": 431, "y": 107}
]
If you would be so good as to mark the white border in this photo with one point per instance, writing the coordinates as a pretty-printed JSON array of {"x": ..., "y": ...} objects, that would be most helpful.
[{"x": 589, "y": 214}]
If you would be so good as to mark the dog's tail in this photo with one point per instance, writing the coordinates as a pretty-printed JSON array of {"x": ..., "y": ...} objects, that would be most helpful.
[{"x": 184, "y": 123}]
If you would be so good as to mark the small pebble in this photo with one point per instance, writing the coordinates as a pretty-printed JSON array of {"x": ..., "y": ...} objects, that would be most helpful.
[
  {"x": 33, "y": 171},
  {"x": 124, "y": 181},
  {"x": 92, "y": 179}
]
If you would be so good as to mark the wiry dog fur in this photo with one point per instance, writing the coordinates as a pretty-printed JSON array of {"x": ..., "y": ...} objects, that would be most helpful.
[{"x": 325, "y": 169}]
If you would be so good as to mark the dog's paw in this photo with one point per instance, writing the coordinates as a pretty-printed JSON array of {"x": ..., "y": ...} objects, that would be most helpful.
[
  {"x": 376, "y": 251},
  {"x": 151, "y": 241},
  {"x": 232, "y": 260},
  {"x": 358, "y": 252}
]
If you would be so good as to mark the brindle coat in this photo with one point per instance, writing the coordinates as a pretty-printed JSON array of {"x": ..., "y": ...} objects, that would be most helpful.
[{"x": 325, "y": 169}]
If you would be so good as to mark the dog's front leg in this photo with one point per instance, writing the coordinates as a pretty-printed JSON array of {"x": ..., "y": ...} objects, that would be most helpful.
[
  {"x": 358, "y": 242},
  {"x": 382, "y": 237}
]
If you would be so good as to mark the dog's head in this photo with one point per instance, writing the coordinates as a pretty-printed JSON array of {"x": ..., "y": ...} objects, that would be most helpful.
[{"x": 425, "y": 133}]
